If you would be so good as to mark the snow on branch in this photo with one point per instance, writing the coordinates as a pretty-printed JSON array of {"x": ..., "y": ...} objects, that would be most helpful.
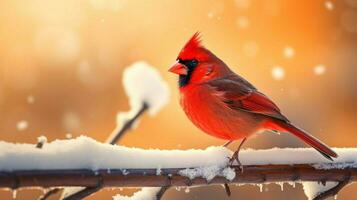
[
  {"x": 65, "y": 163},
  {"x": 73, "y": 154},
  {"x": 143, "y": 83},
  {"x": 146, "y": 90}
]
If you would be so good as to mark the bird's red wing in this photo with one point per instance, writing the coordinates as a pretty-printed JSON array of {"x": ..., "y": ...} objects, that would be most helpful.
[{"x": 238, "y": 95}]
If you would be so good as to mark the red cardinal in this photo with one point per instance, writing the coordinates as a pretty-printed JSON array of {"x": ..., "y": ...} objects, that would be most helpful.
[{"x": 225, "y": 105}]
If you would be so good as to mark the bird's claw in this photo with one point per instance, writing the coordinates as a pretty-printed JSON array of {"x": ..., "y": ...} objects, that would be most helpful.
[{"x": 235, "y": 158}]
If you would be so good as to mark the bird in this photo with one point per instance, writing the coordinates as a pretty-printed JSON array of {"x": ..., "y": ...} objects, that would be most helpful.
[{"x": 225, "y": 105}]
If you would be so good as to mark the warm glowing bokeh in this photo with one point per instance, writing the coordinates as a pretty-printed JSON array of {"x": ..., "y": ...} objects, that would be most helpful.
[{"x": 61, "y": 65}]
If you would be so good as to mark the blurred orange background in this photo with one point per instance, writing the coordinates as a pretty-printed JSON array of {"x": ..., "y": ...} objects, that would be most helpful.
[{"x": 61, "y": 65}]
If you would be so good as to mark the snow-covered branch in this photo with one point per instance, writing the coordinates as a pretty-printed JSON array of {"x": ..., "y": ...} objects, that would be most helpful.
[
  {"x": 66, "y": 163},
  {"x": 147, "y": 91}
]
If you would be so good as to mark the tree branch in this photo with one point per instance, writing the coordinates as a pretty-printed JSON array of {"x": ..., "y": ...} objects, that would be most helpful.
[
  {"x": 49, "y": 193},
  {"x": 117, "y": 134},
  {"x": 333, "y": 191},
  {"x": 83, "y": 193},
  {"x": 161, "y": 192},
  {"x": 169, "y": 177}
]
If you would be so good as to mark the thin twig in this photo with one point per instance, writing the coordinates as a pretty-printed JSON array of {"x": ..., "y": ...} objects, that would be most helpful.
[
  {"x": 40, "y": 144},
  {"x": 112, "y": 139},
  {"x": 227, "y": 189},
  {"x": 163, "y": 189},
  {"x": 333, "y": 191},
  {"x": 49, "y": 193},
  {"x": 117, "y": 134},
  {"x": 83, "y": 193},
  {"x": 88, "y": 190},
  {"x": 161, "y": 192}
]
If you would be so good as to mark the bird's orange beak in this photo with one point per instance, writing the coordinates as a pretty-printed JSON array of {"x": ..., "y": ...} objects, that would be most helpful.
[{"x": 179, "y": 69}]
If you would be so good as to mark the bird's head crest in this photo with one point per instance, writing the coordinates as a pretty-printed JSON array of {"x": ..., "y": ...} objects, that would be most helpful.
[
  {"x": 191, "y": 47},
  {"x": 194, "y": 42}
]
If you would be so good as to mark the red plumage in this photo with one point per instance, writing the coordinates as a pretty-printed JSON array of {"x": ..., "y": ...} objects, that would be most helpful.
[{"x": 225, "y": 105}]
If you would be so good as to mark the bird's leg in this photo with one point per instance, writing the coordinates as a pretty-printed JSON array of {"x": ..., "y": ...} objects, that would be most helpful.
[
  {"x": 235, "y": 155},
  {"x": 228, "y": 143}
]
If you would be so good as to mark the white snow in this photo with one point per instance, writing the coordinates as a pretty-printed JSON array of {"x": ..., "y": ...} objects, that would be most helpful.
[
  {"x": 143, "y": 83},
  {"x": 14, "y": 194},
  {"x": 158, "y": 170},
  {"x": 208, "y": 172},
  {"x": 229, "y": 173},
  {"x": 72, "y": 154},
  {"x": 346, "y": 157},
  {"x": 281, "y": 184},
  {"x": 312, "y": 189},
  {"x": 42, "y": 139},
  {"x": 147, "y": 193},
  {"x": 187, "y": 190},
  {"x": 68, "y": 135},
  {"x": 123, "y": 117},
  {"x": 208, "y": 163},
  {"x": 22, "y": 125},
  {"x": 69, "y": 191}
]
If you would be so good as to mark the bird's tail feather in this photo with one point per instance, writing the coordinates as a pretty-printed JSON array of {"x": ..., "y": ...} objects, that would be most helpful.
[{"x": 307, "y": 138}]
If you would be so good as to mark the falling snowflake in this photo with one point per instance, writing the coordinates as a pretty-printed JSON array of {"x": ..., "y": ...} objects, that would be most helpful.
[
  {"x": 22, "y": 125},
  {"x": 243, "y": 22},
  {"x": 210, "y": 15},
  {"x": 289, "y": 52},
  {"x": 30, "y": 99},
  {"x": 319, "y": 69},
  {"x": 85, "y": 72},
  {"x": 42, "y": 139},
  {"x": 71, "y": 121},
  {"x": 329, "y": 5},
  {"x": 68, "y": 135},
  {"x": 187, "y": 190},
  {"x": 278, "y": 73}
]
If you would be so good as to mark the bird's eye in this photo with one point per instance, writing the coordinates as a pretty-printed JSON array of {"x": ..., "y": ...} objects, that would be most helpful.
[
  {"x": 188, "y": 63},
  {"x": 191, "y": 63}
]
